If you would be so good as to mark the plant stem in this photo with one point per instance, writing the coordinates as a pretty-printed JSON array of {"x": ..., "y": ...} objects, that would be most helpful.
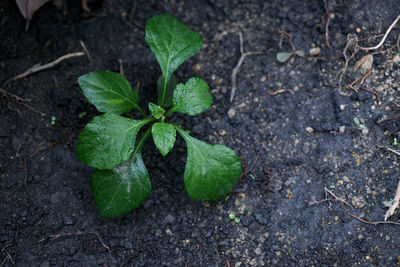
[
  {"x": 142, "y": 140},
  {"x": 172, "y": 110}
]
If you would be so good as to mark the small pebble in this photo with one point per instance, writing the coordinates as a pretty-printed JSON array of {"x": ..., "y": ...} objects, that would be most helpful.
[
  {"x": 314, "y": 51},
  {"x": 222, "y": 132},
  {"x": 196, "y": 68},
  {"x": 309, "y": 130},
  {"x": 342, "y": 129},
  {"x": 231, "y": 113}
]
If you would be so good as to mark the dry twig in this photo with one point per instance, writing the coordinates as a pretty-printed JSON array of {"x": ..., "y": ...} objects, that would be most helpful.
[
  {"x": 352, "y": 47},
  {"x": 17, "y": 98},
  {"x": 340, "y": 199},
  {"x": 86, "y": 51},
  {"x": 383, "y": 39},
  {"x": 8, "y": 256},
  {"x": 395, "y": 203},
  {"x": 54, "y": 237},
  {"x": 371, "y": 222},
  {"x": 243, "y": 55},
  {"x": 39, "y": 67},
  {"x": 389, "y": 149},
  {"x": 328, "y": 20},
  {"x": 281, "y": 91},
  {"x": 252, "y": 167}
]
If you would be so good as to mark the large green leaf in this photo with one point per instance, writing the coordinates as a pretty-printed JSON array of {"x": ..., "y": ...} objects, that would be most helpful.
[
  {"x": 169, "y": 90},
  {"x": 108, "y": 140},
  {"x": 125, "y": 187},
  {"x": 108, "y": 91},
  {"x": 164, "y": 135},
  {"x": 191, "y": 98},
  {"x": 172, "y": 42},
  {"x": 211, "y": 170}
]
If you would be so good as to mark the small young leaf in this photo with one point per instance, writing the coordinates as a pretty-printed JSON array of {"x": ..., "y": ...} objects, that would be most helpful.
[
  {"x": 156, "y": 111},
  {"x": 211, "y": 170},
  {"x": 192, "y": 98},
  {"x": 108, "y": 91},
  {"x": 282, "y": 57},
  {"x": 169, "y": 90},
  {"x": 172, "y": 42},
  {"x": 164, "y": 135},
  {"x": 108, "y": 140},
  {"x": 300, "y": 53},
  {"x": 122, "y": 189}
]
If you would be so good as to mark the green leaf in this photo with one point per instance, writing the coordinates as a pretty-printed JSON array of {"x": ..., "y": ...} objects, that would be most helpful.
[
  {"x": 172, "y": 42},
  {"x": 156, "y": 111},
  {"x": 164, "y": 135},
  {"x": 124, "y": 188},
  {"x": 282, "y": 57},
  {"x": 300, "y": 53},
  {"x": 169, "y": 90},
  {"x": 108, "y": 140},
  {"x": 191, "y": 98},
  {"x": 108, "y": 91},
  {"x": 211, "y": 170}
]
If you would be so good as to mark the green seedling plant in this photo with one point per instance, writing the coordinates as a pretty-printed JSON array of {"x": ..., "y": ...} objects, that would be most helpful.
[
  {"x": 112, "y": 143},
  {"x": 282, "y": 57},
  {"x": 232, "y": 216},
  {"x": 396, "y": 143},
  {"x": 358, "y": 123}
]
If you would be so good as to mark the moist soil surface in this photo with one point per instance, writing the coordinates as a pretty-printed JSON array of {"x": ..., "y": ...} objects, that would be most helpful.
[{"x": 292, "y": 124}]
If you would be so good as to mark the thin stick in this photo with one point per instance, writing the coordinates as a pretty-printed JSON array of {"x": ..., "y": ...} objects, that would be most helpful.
[
  {"x": 389, "y": 149},
  {"x": 371, "y": 222},
  {"x": 86, "y": 51},
  {"x": 336, "y": 197},
  {"x": 365, "y": 76},
  {"x": 252, "y": 167},
  {"x": 369, "y": 91},
  {"x": 387, "y": 119},
  {"x": 384, "y": 37},
  {"x": 35, "y": 69},
  {"x": 54, "y": 237},
  {"x": 280, "y": 91},
  {"x": 328, "y": 14},
  {"x": 395, "y": 203},
  {"x": 5, "y": 92},
  {"x": 239, "y": 64},
  {"x": 352, "y": 215}
]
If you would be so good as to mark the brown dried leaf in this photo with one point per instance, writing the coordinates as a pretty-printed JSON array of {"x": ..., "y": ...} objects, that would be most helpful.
[{"x": 364, "y": 64}]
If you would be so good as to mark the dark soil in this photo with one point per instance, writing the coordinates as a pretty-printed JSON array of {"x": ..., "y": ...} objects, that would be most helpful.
[{"x": 294, "y": 145}]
